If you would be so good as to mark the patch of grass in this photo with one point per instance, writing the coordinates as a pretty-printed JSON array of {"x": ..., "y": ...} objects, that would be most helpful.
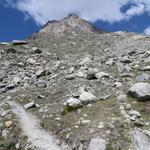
[{"x": 68, "y": 109}]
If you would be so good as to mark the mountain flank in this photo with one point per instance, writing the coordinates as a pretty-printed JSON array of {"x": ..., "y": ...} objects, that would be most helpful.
[{"x": 71, "y": 86}]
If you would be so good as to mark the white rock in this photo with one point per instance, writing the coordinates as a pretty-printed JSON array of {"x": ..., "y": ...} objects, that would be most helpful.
[
  {"x": 134, "y": 113},
  {"x": 81, "y": 74},
  {"x": 16, "y": 80},
  {"x": 100, "y": 75},
  {"x": 73, "y": 102},
  {"x": 5, "y": 133},
  {"x": 97, "y": 144},
  {"x": 85, "y": 61},
  {"x": 127, "y": 121},
  {"x": 31, "y": 61},
  {"x": 118, "y": 84},
  {"x": 121, "y": 97},
  {"x": 121, "y": 107},
  {"x": 86, "y": 97},
  {"x": 30, "y": 105},
  {"x": 101, "y": 125},
  {"x": 110, "y": 61},
  {"x": 71, "y": 70},
  {"x": 128, "y": 107},
  {"x": 17, "y": 146},
  {"x": 123, "y": 112},
  {"x": 85, "y": 121}
]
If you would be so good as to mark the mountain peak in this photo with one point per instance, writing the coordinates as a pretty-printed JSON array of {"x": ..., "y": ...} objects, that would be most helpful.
[{"x": 72, "y": 24}]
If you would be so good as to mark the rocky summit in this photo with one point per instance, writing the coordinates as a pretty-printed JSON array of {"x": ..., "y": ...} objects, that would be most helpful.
[{"x": 71, "y": 86}]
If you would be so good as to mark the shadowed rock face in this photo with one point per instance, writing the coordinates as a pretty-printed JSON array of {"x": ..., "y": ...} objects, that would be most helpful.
[{"x": 71, "y": 25}]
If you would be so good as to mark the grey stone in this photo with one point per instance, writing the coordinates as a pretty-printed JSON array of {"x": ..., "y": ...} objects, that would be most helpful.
[
  {"x": 117, "y": 84},
  {"x": 104, "y": 97},
  {"x": 91, "y": 76},
  {"x": 123, "y": 69},
  {"x": 10, "y": 86},
  {"x": 71, "y": 70},
  {"x": 16, "y": 80},
  {"x": 36, "y": 50},
  {"x": 70, "y": 77},
  {"x": 147, "y": 60},
  {"x": 41, "y": 84},
  {"x": 140, "y": 140},
  {"x": 125, "y": 59},
  {"x": 40, "y": 73},
  {"x": 10, "y": 50},
  {"x": 134, "y": 113},
  {"x": 138, "y": 123},
  {"x": 2, "y": 85},
  {"x": 76, "y": 94},
  {"x": 140, "y": 91},
  {"x": 147, "y": 132}
]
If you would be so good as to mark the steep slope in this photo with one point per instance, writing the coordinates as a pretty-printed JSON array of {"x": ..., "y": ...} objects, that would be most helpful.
[{"x": 76, "y": 83}]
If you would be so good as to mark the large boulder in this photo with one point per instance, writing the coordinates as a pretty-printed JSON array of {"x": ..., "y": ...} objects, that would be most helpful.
[
  {"x": 87, "y": 97},
  {"x": 97, "y": 144},
  {"x": 140, "y": 91}
]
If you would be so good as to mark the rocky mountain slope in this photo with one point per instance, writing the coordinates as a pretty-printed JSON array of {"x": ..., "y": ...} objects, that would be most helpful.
[{"x": 72, "y": 87}]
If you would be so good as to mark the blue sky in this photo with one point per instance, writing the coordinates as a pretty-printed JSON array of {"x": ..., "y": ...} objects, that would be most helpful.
[
  {"x": 13, "y": 25},
  {"x": 21, "y": 18}
]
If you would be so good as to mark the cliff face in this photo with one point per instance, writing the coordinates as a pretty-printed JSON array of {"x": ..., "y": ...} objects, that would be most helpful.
[{"x": 87, "y": 88}]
